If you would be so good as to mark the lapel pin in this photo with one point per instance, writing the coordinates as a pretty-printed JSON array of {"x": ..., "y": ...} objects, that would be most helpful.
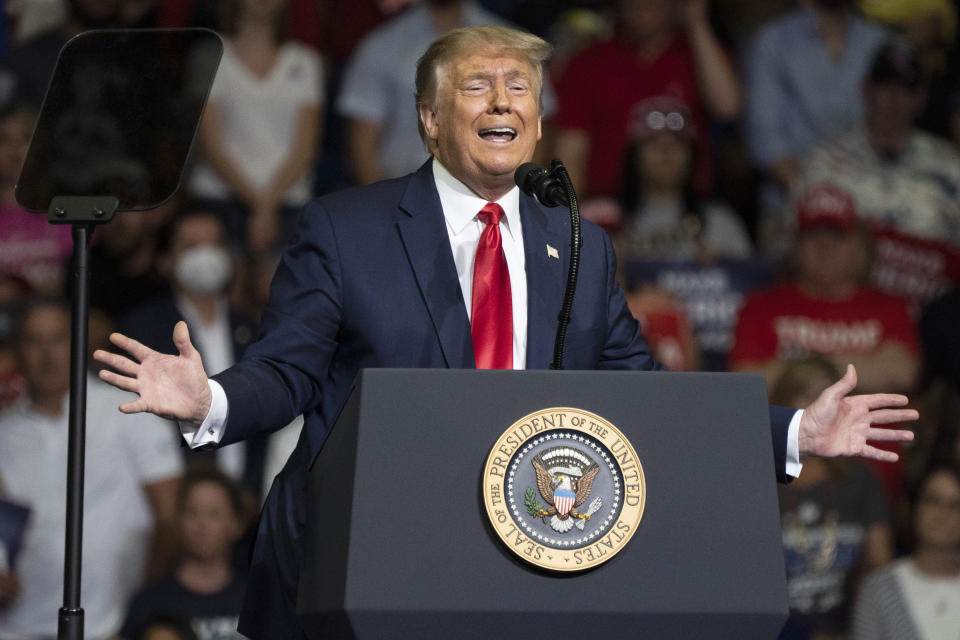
[{"x": 552, "y": 252}]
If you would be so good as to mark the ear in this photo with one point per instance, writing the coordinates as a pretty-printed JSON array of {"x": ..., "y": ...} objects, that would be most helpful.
[
  {"x": 428, "y": 117},
  {"x": 539, "y": 127}
]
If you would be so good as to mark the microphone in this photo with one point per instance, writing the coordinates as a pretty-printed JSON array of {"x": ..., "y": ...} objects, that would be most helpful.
[
  {"x": 541, "y": 184},
  {"x": 553, "y": 188}
]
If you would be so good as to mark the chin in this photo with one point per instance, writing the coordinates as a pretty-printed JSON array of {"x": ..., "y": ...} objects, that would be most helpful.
[{"x": 504, "y": 165}]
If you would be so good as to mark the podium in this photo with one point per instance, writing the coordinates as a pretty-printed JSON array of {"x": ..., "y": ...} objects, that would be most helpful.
[{"x": 399, "y": 544}]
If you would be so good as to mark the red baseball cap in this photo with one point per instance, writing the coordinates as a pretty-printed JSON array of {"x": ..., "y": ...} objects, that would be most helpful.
[{"x": 826, "y": 205}]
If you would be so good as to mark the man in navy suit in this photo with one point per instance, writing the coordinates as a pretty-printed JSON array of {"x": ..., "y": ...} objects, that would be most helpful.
[{"x": 382, "y": 276}]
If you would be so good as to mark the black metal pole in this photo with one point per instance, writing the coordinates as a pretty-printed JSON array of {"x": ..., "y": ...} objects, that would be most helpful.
[
  {"x": 70, "y": 623},
  {"x": 576, "y": 241}
]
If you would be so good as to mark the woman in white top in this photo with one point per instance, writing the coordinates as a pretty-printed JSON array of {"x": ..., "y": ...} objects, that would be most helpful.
[
  {"x": 261, "y": 128},
  {"x": 918, "y": 597}
]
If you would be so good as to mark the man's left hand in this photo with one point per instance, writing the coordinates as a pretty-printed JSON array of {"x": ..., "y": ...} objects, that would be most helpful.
[{"x": 837, "y": 424}]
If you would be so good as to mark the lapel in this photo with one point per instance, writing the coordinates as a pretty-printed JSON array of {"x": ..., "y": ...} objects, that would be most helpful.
[
  {"x": 546, "y": 276},
  {"x": 424, "y": 235}
]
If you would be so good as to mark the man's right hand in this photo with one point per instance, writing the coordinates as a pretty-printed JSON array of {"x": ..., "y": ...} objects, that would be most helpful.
[{"x": 170, "y": 386}]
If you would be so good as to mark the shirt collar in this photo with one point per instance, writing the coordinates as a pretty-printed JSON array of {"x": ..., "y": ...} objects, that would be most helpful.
[{"x": 461, "y": 206}]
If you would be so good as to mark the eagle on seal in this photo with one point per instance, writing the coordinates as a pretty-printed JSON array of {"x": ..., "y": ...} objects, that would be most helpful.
[{"x": 564, "y": 492}]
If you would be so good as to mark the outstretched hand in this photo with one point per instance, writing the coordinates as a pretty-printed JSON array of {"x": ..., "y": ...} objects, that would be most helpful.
[
  {"x": 170, "y": 386},
  {"x": 837, "y": 424}
]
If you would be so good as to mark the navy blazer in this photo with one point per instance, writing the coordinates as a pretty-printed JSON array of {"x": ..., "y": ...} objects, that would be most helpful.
[{"x": 369, "y": 280}]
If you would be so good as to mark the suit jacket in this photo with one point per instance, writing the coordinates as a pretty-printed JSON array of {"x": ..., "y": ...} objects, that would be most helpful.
[{"x": 369, "y": 281}]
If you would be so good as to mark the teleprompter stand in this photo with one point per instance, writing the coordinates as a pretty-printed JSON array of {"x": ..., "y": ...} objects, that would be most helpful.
[
  {"x": 82, "y": 213},
  {"x": 117, "y": 123}
]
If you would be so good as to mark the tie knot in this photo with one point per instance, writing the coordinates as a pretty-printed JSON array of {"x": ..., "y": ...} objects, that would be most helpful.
[{"x": 491, "y": 213}]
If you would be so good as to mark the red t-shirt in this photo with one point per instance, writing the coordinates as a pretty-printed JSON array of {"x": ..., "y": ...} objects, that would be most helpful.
[
  {"x": 601, "y": 85},
  {"x": 784, "y": 322}
]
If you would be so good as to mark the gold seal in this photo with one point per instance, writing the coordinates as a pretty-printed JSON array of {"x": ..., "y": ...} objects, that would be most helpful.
[{"x": 564, "y": 489}]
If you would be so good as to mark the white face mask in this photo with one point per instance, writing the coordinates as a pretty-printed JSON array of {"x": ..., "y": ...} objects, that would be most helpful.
[{"x": 203, "y": 269}]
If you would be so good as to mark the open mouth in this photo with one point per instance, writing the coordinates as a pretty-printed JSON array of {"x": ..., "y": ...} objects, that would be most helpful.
[{"x": 498, "y": 134}]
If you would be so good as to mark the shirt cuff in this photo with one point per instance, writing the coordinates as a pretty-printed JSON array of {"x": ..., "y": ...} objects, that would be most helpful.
[
  {"x": 793, "y": 445},
  {"x": 210, "y": 432}
]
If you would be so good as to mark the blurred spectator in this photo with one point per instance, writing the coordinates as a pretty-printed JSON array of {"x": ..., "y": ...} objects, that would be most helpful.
[
  {"x": 32, "y": 248},
  {"x": 711, "y": 293},
  {"x": 261, "y": 127},
  {"x": 28, "y": 18},
  {"x": 193, "y": 258},
  {"x": 937, "y": 434},
  {"x": 803, "y": 76},
  {"x": 204, "y": 591},
  {"x": 32, "y": 60},
  {"x": 132, "y": 471},
  {"x": 122, "y": 260},
  {"x": 941, "y": 340},
  {"x": 302, "y": 17},
  {"x": 659, "y": 48},
  {"x": 663, "y": 215},
  {"x": 835, "y": 522},
  {"x": 931, "y": 25},
  {"x": 13, "y": 291},
  {"x": 898, "y": 175},
  {"x": 541, "y": 16},
  {"x": 382, "y": 139},
  {"x": 572, "y": 32},
  {"x": 825, "y": 309},
  {"x": 918, "y": 597},
  {"x": 739, "y": 20},
  {"x": 665, "y": 327}
]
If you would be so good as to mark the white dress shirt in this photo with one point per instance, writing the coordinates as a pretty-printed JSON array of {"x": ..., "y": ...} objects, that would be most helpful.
[{"x": 460, "y": 209}]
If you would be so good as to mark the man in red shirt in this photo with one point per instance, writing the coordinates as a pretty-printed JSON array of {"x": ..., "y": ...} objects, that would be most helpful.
[
  {"x": 658, "y": 49},
  {"x": 825, "y": 309}
]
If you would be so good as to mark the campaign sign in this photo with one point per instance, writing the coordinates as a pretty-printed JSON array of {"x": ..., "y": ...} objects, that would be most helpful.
[{"x": 712, "y": 294}]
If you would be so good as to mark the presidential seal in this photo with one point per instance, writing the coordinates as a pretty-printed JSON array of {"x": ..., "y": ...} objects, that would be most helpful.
[{"x": 564, "y": 489}]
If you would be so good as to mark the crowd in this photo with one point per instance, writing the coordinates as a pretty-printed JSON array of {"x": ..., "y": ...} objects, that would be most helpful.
[{"x": 781, "y": 181}]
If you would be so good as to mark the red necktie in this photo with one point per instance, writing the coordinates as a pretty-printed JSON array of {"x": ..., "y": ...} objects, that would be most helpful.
[{"x": 491, "y": 315}]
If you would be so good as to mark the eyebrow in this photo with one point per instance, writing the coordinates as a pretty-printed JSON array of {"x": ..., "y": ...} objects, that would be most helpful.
[{"x": 513, "y": 74}]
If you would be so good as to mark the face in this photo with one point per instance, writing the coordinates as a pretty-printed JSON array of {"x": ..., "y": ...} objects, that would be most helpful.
[
  {"x": 161, "y": 631},
  {"x": 644, "y": 19},
  {"x": 208, "y": 523},
  {"x": 14, "y": 141},
  {"x": 938, "y": 512},
  {"x": 263, "y": 9},
  {"x": 892, "y": 106},
  {"x": 827, "y": 256},
  {"x": 925, "y": 31},
  {"x": 195, "y": 231},
  {"x": 664, "y": 160},
  {"x": 125, "y": 235},
  {"x": 45, "y": 350},
  {"x": 485, "y": 121}
]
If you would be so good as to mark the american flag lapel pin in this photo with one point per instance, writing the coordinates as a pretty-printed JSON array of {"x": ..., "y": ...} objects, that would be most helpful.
[{"x": 552, "y": 252}]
